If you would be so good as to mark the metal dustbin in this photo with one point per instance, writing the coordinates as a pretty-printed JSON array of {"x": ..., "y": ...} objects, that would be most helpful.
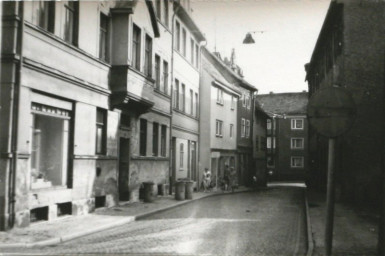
[
  {"x": 180, "y": 190},
  {"x": 189, "y": 189},
  {"x": 148, "y": 192}
]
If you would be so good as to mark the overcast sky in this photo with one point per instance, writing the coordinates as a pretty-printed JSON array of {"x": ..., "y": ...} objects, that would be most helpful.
[{"x": 276, "y": 61}]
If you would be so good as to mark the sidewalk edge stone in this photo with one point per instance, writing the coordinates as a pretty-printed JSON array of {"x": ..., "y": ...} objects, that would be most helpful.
[{"x": 310, "y": 241}]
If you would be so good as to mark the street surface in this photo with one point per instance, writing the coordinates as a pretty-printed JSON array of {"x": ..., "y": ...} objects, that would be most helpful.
[{"x": 268, "y": 222}]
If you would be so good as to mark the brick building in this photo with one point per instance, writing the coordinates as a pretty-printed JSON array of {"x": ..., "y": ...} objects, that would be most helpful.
[
  {"x": 287, "y": 134},
  {"x": 350, "y": 53}
]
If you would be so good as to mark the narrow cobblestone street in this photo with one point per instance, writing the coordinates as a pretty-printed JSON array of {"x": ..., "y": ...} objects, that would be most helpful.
[{"x": 268, "y": 222}]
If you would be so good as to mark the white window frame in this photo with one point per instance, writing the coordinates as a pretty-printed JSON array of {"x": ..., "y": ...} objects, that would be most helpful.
[
  {"x": 219, "y": 128},
  {"x": 232, "y": 102},
  {"x": 219, "y": 96},
  {"x": 294, "y": 124},
  {"x": 294, "y": 165},
  {"x": 293, "y": 143}
]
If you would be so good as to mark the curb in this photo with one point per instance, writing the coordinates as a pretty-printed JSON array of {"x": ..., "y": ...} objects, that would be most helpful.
[
  {"x": 310, "y": 241},
  {"x": 57, "y": 240}
]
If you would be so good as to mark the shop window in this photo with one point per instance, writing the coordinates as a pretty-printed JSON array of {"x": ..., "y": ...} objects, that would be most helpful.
[
  {"x": 49, "y": 152},
  {"x": 101, "y": 131}
]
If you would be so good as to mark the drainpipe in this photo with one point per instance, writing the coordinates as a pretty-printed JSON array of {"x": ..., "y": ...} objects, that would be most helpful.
[
  {"x": 199, "y": 117},
  {"x": 170, "y": 172},
  {"x": 14, "y": 102}
]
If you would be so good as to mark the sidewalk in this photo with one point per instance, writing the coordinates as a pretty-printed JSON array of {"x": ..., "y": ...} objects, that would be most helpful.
[
  {"x": 355, "y": 231},
  {"x": 71, "y": 227}
]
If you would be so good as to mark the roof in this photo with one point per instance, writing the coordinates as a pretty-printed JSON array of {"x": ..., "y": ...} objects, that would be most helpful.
[
  {"x": 259, "y": 109},
  {"x": 284, "y": 103},
  {"x": 225, "y": 70},
  {"x": 189, "y": 22}
]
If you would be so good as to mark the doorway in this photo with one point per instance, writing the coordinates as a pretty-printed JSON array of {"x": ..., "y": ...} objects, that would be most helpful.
[{"x": 124, "y": 156}]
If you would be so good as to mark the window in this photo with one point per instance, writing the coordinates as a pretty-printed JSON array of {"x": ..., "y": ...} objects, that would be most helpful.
[
  {"x": 182, "y": 98},
  {"x": 181, "y": 155},
  {"x": 231, "y": 130},
  {"x": 155, "y": 138},
  {"x": 297, "y": 143},
  {"x": 297, "y": 124},
  {"x": 71, "y": 20},
  {"x": 50, "y": 146},
  {"x": 143, "y": 137},
  {"x": 243, "y": 127},
  {"x": 218, "y": 130},
  {"x": 192, "y": 44},
  {"x": 244, "y": 100},
  {"x": 196, "y": 105},
  {"x": 247, "y": 128},
  {"x": 196, "y": 55},
  {"x": 163, "y": 138},
  {"x": 177, "y": 35},
  {"x": 148, "y": 56},
  {"x": 103, "y": 38},
  {"x": 232, "y": 103},
  {"x": 125, "y": 121},
  {"x": 219, "y": 96},
  {"x": 184, "y": 42},
  {"x": 176, "y": 95},
  {"x": 191, "y": 102},
  {"x": 165, "y": 11},
  {"x": 45, "y": 15},
  {"x": 136, "y": 47},
  {"x": 268, "y": 124},
  {"x": 157, "y": 72},
  {"x": 165, "y": 76},
  {"x": 101, "y": 131},
  {"x": 158, "y": 9},
  {"x": 297, "y": 162}
]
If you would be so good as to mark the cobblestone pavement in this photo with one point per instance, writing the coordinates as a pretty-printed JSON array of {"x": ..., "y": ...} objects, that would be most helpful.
[{"x": 268, "y": 222}]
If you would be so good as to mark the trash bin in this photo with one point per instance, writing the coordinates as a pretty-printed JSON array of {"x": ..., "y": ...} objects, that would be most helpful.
[
  {"x": 148, "y": 192},
  {"x": 189, "y": 189},
  {"x": 180, "y": 190}
]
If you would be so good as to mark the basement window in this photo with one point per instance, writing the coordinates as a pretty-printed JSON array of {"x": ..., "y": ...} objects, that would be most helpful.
[
  {"x": 64, "y": 209},
  {"x": 100, "y": 201},
  {"x": 38, "y": 214}
]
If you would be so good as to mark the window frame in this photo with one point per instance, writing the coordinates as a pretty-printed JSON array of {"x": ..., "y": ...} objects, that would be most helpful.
[
  {"x": 243, "y": 127},
  {"x": 182, "y": 103},
  {"x": 218, "y": 128},
  {"x": 163, "y": 140},
  {"x": 184, "y": 42},
  {"x": 103, "y": 126},
  {"x": 104, "y": 48},
  {"x": 247, "y": 128},
  {"x": 155, "y": 139},
  {"x": 157, "y": 71},
  {"x": 148, "y": 56},
  {"x": 165, "y": 76},
  {"x": 177, "y": 35},
  {"x": 292, "y": 158},
  {"x": 142, "y": 137},
  {"x": 220, "y": 100},
  {"x": 166, "y": 13},
  {"x": 293, "y": 144},
  {"x": 136, "y": 46},
  {"x": 181, "y": 156},
  {"x": 71, "y": 27},
  {"x": 294, "y": 123}
]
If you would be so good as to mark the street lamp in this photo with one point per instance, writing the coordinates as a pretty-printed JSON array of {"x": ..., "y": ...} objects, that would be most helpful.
[{"x": 249, "y": 39}]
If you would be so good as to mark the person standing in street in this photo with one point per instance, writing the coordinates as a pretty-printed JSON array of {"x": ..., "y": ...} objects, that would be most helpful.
[{"x": 206, "y": 179}]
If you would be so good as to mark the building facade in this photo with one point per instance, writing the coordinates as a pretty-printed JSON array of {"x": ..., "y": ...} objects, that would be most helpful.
[
  {"x": 261, "y": 119},
  {"x": 85, "y": 128},
  {"x": 349, "y": 54},
  {"x": 218, "y": 118},
  {"x": 186, "y": 99},
  {"x": 287, "y": 134}
]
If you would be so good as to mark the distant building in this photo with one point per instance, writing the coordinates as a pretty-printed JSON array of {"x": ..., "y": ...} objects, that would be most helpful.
[
  {"x": 287, "y": 134},
  {"x": 349, "y": 54},
  {"x": 261, "y": 118},
  {"x": 218, "y": 117}
]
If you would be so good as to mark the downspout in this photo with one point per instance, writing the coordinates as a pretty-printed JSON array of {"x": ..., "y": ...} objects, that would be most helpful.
[
  {"x": 170, "y": 172},
  {"x": 199, "y": 117},
  {"x": 14, "y": 122}
]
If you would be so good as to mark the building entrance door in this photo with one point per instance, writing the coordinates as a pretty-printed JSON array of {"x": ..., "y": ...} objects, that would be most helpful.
[{"x": 124, "y": 156}]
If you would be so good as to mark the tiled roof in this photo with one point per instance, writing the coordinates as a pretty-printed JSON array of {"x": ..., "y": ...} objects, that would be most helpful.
[{"x": 284, "y": 103}]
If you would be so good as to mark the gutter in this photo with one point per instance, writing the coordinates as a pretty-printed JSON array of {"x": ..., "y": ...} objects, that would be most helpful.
[
  {"x": 171, "y": 159},
  {"x": 14, "y": 102}
]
